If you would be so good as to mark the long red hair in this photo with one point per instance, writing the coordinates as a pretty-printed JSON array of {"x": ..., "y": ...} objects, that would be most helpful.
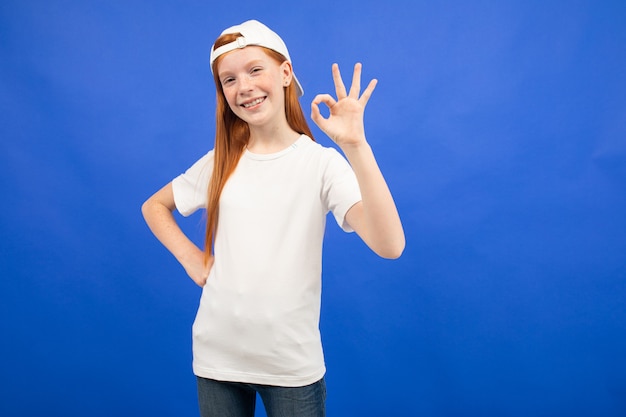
[{"x": 232, "y": 135}]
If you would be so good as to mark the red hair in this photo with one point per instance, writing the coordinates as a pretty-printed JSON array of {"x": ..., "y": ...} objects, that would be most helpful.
[{"x": 232, "y": 135}]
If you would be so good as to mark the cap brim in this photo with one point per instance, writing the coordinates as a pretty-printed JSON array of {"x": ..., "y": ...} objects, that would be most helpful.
[{"x": 298, "y": 86}]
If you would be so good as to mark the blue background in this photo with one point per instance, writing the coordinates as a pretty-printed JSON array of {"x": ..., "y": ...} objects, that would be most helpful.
[{"x": 500, "y": 127}]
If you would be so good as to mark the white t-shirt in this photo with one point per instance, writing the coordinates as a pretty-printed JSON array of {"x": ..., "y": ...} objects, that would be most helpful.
[{"x": 258, "y": 319}]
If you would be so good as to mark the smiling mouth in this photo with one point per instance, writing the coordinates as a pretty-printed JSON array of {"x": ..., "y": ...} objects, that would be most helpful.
[{"x": 253, "y": 102}]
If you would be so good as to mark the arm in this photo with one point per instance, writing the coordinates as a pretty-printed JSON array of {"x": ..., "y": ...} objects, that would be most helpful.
[
  {"x": 375, "y": 218},
  {"x": 157, "y": 211}
]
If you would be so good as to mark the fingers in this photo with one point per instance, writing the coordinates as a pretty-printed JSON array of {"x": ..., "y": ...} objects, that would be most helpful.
[
  {"x": 316, "y": 116},
  {"x": 355, "y": 88},
  {"x": 340, "y": 88},
  {"x": 326, "y": 99},
  {"x": 368, "y": 92}
]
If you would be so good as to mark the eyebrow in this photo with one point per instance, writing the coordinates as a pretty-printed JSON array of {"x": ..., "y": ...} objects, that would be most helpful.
[{"x": 250, "y": 63}]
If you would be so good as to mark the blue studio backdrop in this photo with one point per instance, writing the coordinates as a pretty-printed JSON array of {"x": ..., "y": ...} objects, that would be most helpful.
[{"x": 501, "y": 130}]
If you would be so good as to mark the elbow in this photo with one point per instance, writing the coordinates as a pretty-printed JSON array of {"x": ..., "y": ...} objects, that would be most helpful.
[
  {"x": 153, "y": 209},
  {"x": 145, "y": 208},
  {"x": 392, "y": 251},
  {"x": 148, "y": 209},
  {"x": 392, "y": 254}
]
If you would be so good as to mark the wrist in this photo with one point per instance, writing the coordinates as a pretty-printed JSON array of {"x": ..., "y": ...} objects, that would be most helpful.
[{"x": 355, "y": 148}]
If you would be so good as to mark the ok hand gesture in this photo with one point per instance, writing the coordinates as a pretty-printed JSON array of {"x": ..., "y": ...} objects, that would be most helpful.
[{"x": 344, "y": 125}]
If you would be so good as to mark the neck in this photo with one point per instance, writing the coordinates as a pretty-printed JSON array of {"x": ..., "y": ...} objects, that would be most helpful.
[{"x": 265, "y": 140}]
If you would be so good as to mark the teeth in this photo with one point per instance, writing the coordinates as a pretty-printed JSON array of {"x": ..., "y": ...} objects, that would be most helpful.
[{"x": 253, "y": 103}]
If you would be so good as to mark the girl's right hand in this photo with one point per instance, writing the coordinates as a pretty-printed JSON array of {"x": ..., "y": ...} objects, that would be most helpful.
[
  {"x": 157, "y": 210},
  {"x": 195, "y": 267}
]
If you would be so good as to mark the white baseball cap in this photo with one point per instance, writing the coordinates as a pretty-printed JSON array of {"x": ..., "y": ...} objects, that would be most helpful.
[{"x": 254, "y": 33}]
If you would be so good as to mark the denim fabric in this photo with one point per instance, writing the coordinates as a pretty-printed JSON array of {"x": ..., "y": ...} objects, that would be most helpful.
[{"x": 233, "y": 399}]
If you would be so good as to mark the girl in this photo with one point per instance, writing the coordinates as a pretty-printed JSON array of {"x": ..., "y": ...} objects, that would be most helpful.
[{"x": 267, "y": 187}]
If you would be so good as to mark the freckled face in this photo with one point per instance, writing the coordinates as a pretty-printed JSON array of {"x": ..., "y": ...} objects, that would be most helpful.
[{"x": 253, "y": 85}]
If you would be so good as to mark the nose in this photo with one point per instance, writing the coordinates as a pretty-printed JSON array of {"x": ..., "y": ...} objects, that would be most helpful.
[{"x": 245, "y": 84}]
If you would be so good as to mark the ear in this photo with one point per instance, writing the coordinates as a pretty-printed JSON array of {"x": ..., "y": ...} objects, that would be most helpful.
[{"x": 286, "y": 72}]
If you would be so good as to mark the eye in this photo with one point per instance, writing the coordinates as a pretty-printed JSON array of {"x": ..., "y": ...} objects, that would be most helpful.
[
  {"x": 255, "y": 70},
  {"x": 228, "y": 80}
]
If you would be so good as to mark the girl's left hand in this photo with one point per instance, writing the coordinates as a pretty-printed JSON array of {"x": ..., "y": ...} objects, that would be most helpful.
[{"x": 344, "y": 125}]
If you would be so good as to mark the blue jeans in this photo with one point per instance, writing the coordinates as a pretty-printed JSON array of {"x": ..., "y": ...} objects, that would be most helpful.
[{"x": 233, "y": 399}]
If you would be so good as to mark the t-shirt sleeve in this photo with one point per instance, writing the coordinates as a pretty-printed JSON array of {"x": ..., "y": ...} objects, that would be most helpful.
[
  {"x": 190, "y": 188},
  {"x": 340, "y": 188}
]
